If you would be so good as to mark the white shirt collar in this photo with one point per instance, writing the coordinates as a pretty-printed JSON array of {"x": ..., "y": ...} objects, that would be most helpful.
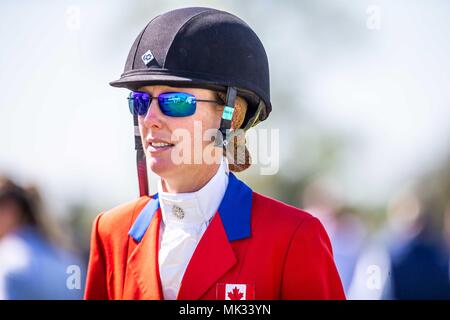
[{"x": 198, "y": 207}]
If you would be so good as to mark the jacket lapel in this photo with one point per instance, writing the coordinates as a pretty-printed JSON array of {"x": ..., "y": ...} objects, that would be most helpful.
[
  {"x": 212, "y": 258},
  {"x": 143, "y": 280},
  {"x": 214, "y": 255}
]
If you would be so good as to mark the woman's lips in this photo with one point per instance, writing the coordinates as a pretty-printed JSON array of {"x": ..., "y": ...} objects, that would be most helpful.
[{"x": 158, "y": 146}]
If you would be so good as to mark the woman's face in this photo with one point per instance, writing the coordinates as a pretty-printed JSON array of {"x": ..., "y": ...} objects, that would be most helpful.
[
  {"x": 9, "y": 217},
  {"x": 186, "y": 135}
]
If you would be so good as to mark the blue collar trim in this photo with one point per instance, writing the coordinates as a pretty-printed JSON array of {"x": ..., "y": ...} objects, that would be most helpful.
[
  {"x": 144, "y": 218},
  {"x": 235, "y": 209}
]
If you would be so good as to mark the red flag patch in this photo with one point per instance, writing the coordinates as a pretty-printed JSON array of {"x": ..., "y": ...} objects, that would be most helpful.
[{"x": 235, "y": 291}]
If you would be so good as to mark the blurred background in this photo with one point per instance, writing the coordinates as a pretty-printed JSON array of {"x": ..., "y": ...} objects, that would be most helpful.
[{"x": 361, "y": 97}]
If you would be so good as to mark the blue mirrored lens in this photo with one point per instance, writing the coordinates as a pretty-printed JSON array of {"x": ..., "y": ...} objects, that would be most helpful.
[
  {"x": 177, "y": 104},
  {"x": 139, "y": 102}
]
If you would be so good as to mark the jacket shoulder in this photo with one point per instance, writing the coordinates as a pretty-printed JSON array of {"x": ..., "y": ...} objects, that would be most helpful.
[
  {"x": 118, "y": 220},
  {"x": 280, "y": 222},
  {"x": 275, "y": 210}
]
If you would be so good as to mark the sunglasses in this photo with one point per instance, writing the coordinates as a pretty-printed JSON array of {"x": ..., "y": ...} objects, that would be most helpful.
[{"x": 172, "y": 104}]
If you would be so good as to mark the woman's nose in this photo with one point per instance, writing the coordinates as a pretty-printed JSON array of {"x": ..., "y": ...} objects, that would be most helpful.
[{"x": 153, "y": 117}]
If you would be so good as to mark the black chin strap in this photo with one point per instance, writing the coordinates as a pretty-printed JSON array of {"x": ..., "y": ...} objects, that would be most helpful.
[
  {"x": 225, "y": 123},
  {"x": 140, "y": 160}
]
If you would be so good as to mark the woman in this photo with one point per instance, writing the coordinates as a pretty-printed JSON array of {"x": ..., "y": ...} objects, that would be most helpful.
[{"x": 205, "y": 234}]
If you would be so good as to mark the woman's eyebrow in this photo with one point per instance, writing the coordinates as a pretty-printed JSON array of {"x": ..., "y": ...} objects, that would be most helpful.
[{"x": 165, "y": 89}]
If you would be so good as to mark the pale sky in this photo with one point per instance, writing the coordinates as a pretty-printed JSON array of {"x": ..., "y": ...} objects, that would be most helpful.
[{"x": 64, "y": 127}]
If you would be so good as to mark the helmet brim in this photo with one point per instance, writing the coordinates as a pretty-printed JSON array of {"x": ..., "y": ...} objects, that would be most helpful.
[{"x": 135, "y": 81}]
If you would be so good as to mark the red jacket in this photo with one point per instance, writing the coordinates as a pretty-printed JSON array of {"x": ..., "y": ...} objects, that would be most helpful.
[{"x": 253, "y": 243}]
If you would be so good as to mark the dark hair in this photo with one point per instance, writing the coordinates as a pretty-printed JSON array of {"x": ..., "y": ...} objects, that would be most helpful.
[
  {"x": 28, "y": 202},
  {"x": 32, "y": 211},
  {"x": 25, "y": 200}
]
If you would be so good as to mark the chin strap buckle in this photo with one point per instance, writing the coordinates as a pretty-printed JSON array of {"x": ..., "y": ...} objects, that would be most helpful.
[{"x": 221, "y": 139}]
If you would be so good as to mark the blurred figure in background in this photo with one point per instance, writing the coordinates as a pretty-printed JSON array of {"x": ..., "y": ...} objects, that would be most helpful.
[
  {"x": 447, "y": 231},
  {"x": 345, "y": 228},
  {"x": 419, "y": 259},
  {"x": 31, "y": 266}
]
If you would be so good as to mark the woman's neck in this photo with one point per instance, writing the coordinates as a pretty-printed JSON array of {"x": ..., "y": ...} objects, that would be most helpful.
[{"x": 192, "y": 182}]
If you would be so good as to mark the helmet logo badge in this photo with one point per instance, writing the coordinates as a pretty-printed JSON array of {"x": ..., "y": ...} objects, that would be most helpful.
[{"x": 147, "y": 57}]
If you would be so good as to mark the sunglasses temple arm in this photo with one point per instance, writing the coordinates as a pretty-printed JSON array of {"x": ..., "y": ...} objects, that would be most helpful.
[{"x": 140, "y": 160}]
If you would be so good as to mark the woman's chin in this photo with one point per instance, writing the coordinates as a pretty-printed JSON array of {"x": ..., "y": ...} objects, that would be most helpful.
[{"x": 161, "y": 167}]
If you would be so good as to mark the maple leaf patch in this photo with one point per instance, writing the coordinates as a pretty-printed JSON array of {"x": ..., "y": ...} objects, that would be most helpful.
[
  {"x": 235, "y": 291},
  {"x": 235, "y": 294}
]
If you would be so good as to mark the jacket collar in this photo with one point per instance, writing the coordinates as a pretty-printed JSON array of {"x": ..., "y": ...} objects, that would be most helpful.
[
  {"x": 234, "y": 210},
  {"x": 144, "y": 219}
]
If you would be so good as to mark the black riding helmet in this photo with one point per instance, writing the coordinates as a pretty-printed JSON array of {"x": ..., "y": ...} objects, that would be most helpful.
[{"x": 201, "y": 48}]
